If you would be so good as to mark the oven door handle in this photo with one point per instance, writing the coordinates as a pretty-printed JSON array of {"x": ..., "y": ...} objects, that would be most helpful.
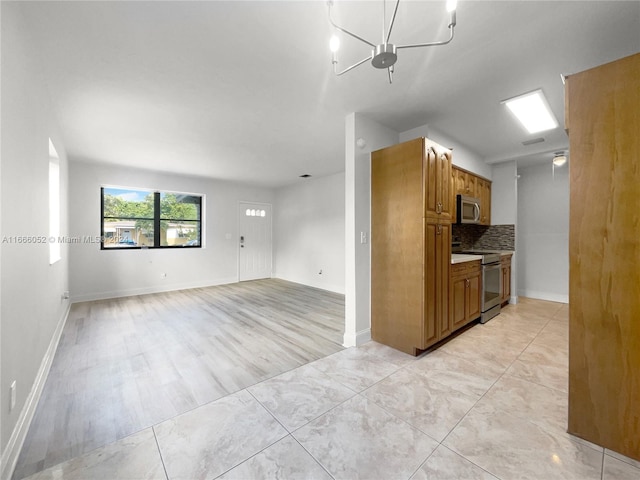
[{"x": 492, "y": 266}]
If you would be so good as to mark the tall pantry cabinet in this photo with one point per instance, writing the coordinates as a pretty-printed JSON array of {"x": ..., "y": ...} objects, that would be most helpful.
[
  {"x": 411, "y": 209},
  {"x": 603, "y": 120}
]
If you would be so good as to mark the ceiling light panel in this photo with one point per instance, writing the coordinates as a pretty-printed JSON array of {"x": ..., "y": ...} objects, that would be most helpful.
[{"x": 533, "y": 112}]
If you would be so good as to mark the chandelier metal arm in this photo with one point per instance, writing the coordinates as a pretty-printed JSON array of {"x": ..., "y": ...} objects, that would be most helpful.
[
  {"x": 451, "y": 26},
  {"x": 330, "y": 3},
  {"x": 432, "y": 44},
  {"x": 393, "y": 19},
  {"x": 335, "y": 65}
]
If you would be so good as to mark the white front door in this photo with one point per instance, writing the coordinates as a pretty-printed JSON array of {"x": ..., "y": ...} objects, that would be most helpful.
[{"x": 254, "y": 241}]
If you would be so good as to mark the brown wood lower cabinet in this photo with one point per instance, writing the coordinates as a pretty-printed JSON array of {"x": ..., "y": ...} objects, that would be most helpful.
[
  {"x": 505, "y": 262},
  {"x": 465, "y": 293}
]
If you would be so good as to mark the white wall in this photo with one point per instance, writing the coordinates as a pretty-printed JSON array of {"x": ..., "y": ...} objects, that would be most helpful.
[
  {"x": 504, "y": 209},
  {"x": 504, "y": 193},
  {"x": 309, "y": 233},
  {"x": 32, "y": 309},
  {"x": 358, "y": 221},
  {"x": 463, "y": 157},
  {"x": 543, "y": 233},
  {"x": 96, "y": 273}
]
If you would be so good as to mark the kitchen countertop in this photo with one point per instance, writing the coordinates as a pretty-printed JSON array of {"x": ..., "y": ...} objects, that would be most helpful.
[
  {"x": 463, "y": 257},
  {"x": 500, "y": 252}
]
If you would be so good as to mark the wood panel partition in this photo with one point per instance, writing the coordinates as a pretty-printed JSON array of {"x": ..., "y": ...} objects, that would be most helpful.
[{"x": 603, "y": 117}]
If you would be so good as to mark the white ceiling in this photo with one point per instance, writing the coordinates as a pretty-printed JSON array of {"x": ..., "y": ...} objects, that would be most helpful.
[{"x": 244, "y": 90}]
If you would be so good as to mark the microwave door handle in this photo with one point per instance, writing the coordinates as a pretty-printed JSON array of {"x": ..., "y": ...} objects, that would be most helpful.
[{"x": 476, "y": 207}]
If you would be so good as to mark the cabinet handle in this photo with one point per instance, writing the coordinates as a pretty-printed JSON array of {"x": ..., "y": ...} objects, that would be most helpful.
[
  {"x": 439, "y": 230},
  {"x": 467, "y": 283}
]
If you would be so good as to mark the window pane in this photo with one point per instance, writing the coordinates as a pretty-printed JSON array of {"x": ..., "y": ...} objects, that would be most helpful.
[
  {"x": 130, "y": 217},
  {"x": 127, "y": 203},
  {"x": 178, "y": 206},
  {"x": 184, "y": 233},
  {"x": 123, "y": 233}
]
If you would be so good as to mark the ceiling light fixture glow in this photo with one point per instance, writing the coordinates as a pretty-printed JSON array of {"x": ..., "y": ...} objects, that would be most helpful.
[
  {"x": 533, "y": 111},
  {"x": 385, "y": 54},
  {"x": 559, "y": 159}
]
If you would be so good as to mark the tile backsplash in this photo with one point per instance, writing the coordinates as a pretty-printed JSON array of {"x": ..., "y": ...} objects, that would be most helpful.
[{"x": 483, "y": 237}]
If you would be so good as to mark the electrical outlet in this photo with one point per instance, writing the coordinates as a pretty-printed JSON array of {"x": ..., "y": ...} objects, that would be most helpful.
[
  {"x": 363, "y": 237},
  {"x": 13, "y": 395}
]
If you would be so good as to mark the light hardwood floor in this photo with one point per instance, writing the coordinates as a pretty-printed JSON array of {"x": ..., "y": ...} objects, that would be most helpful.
[{"x": 125, "y": 364}]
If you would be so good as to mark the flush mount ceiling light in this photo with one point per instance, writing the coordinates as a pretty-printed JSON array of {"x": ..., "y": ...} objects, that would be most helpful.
[
  {"x": 559, "y": 159},
  {"x": 385, "y": 54},
  {"x": 533, "y": 111}
]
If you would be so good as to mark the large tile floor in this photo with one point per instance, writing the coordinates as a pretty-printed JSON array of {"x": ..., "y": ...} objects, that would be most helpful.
[{"x": 491, "y": 403}]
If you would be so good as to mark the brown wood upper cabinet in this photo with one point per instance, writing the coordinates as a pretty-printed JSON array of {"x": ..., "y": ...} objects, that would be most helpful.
[
  {"x": 410, "y": 244},
  {"x": 437, "y": 166},
  {"x": 472, "y": 185}
]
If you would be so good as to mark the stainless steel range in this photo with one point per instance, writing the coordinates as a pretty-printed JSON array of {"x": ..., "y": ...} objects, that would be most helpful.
[{"x": 491, "y": 281}]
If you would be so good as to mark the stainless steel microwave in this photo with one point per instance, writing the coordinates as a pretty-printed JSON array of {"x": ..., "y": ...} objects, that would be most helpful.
[{"x": 468, "y": 209}]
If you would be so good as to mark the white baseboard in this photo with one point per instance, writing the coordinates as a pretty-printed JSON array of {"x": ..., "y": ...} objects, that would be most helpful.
[
  {"x": 16, "y": 441},
  {"x": 305, "y": 281},
  {"x": 88, "y": 297},
  {"x": 550, "y": 296},
  {"x": 357, "y": 339}
]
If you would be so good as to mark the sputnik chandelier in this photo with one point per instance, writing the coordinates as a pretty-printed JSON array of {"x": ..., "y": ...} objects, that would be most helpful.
[{"x": 384, "y": 55}]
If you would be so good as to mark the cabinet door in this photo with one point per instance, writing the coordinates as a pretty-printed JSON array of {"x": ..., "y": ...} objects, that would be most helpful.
[
  {"x": 431, "y": 320},
  {"x": 431, "y": 197},
  {"x": 474, "y": 292},
  {"x": 506, "y": 283},
  {"x": 437, "y": 323},
  {"x": 445, "y": 185},
  {"x": 454, "y": 193},
  {"x": 460, "y": 181},
  {"x": 480, "y": 194},
  {"x": 444, "y": 273},
  {"x": 470, "y": 184},
  {"x": 458, "y": 306},
  {"x": 437, "y": 177},
  {"x": 484, "y": 187}
]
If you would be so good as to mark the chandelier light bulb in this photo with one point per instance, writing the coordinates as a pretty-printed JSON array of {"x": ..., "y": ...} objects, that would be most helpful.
[
  {"x": 334, "y": 43},
  {"x": 452, "y": 5}
]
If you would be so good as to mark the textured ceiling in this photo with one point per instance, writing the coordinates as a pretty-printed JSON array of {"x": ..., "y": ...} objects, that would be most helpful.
[{"x": 244, "y": 90}]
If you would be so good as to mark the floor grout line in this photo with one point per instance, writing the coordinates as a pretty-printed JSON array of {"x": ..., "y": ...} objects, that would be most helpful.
[{"x": 164, "y": 466}]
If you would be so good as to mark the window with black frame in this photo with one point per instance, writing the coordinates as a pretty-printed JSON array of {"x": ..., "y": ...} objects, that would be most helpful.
[{"x": 136, "y": 218}]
